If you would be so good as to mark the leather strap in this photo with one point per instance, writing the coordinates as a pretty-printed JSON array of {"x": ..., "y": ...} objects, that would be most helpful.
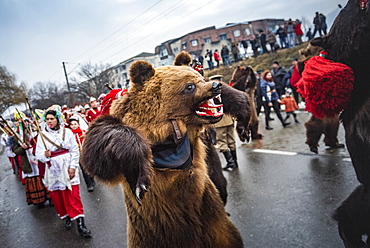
[
  {"x": 177, "y": 130},
  {"x": 51, "y": 142}
]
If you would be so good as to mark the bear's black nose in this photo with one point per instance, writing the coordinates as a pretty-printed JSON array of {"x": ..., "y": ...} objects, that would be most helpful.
[{"x": 216, "y": 86}]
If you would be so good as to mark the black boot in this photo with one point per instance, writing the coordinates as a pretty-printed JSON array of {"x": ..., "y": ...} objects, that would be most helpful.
[
  {"x": 230, "y": 161},
  {"x": 82, "y": 229},
  {"x": 233, "y": 153},
  {"x": 286, "y": 124},
  {"x": 68, "y": 224}
]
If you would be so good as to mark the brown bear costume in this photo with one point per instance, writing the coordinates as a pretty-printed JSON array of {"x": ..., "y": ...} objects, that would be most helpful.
[
  {"x": 348, "y": 43},
  {"x": 150, "y": 143},
  {"x": 244, "y": 79},
  {"x": 315, "y": 127}
]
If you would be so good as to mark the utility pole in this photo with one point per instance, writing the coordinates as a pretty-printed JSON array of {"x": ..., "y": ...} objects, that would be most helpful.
[
  {"x": 65, "y": 73},
  {"x": 69, "y": 88}
]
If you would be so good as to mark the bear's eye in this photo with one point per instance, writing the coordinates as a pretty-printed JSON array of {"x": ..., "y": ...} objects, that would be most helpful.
[{"x": 190, "y": 87}]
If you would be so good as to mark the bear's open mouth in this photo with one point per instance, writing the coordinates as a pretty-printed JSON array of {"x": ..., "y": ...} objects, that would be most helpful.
[{"x": 212, "y": 107}]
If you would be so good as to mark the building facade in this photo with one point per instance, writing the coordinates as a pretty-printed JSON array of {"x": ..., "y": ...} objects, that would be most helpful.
[{"x": 196, "y": 43}]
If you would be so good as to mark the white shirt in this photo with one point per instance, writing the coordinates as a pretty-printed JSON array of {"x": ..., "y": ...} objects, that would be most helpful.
[{"x": 56, "y": 176}]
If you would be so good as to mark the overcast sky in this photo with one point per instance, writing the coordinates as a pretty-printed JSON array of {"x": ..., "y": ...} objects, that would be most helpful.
[{"x": 36, "y": 36}]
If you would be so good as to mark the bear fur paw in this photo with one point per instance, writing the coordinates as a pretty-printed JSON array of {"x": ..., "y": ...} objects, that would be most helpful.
[{"x": 112, "y": 149}]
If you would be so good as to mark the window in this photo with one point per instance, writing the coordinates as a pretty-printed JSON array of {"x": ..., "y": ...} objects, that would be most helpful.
[
  {"x": 184, "y": 45},
  {"x": 222, "y": 36},
  {"x": 194, "y": 42},
  {"x": 236, "y": 33},
  {"x": 163, "y": 52},
  {"x": 176, "y": 49},
  {"x": 247, "y": 31},
  {"x": 207, "y": 40}
]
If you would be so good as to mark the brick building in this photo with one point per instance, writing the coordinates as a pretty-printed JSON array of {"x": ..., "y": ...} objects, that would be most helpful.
[{"x": 213, "y": 38}]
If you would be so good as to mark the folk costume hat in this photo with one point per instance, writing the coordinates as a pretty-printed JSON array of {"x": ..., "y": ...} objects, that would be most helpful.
[
  {"x": 326, "y": 86},
  {"x": 18, "y": 116},
  {"x": 58, "y": 113}
]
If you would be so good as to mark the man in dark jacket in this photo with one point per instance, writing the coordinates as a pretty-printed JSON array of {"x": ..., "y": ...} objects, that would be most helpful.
[
  {"x": 282, "y": 37},
  {"x": 225, "y": 55},
  {"x": 317, "y": 24},
  {"x": 263, "y": 42},
  {"x": 278, "y": 72},
  {"x": 255, "y": 45}
]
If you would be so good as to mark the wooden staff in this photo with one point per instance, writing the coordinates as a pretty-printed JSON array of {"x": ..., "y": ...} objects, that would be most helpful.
[
  {"x": 37, "y": 124},
  {"x": 4, "y": 131},
  {"x": 107, "y": 85},
  {"x": 25, "y": 126},
  {"x": 11, "y": 130}
]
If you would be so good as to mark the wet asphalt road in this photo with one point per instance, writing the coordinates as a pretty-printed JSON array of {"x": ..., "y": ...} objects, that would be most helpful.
[{"x": 275, "y": 200}]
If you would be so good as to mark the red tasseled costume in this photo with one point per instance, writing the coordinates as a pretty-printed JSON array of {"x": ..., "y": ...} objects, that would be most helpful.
[
  {"x": 109, "y": 98},
  {"x": 326, "y": 86}
]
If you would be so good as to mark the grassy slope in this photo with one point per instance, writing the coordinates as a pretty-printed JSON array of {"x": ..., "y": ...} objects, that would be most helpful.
[{"x": 262, "y": 62}]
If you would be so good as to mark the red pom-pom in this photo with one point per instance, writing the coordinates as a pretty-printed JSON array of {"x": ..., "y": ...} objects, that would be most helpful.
[
  {"x": 326, "y": 86},
  {"x": 109, "y": 98}
]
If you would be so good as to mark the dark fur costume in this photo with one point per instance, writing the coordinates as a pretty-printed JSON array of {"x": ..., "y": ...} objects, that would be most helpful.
[
  {"x": 165, "y": 207},
  {"x": 315, "y": 127},
  {"x": 244, "y": 79},
  {"x": 348, "y": 42},
  {"x": 214, "y": 163}
]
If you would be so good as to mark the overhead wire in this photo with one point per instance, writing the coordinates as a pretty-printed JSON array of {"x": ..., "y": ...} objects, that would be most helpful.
[
  {"x": 147, "y": 36},
  {"x": 118, "y": 42},
  {"x": 127, "y": 36},
  {"x": 118, "y": 30}
]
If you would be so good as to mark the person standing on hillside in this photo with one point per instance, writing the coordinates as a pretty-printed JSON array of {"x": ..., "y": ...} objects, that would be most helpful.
[
  {"x": 271, "y": 40},
  {"x": 235, "y": 51},
  {"x": 309, "y": 34},
  {"x": 225, "y": 55},
  {"x": 298, "y": 31},
  {"x": 323, "y": 25},
  {"x": 263, "y": 41},
  {"x": 317, "y": 25},
  {"x": 208, "y": 57},
  {"x": 217, "y": 57},
  {"x": 254, "y": 44},
  {"x": 245, "y": 46},
  {"x": 282, "y": 37},
  {"x": 289, "y": 29}
]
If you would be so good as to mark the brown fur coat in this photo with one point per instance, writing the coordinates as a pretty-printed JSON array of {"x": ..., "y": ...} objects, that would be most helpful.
[{"x": 165, "y": 207}]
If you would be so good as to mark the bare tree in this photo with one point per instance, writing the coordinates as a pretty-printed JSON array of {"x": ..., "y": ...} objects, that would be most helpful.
[
  {"x": 10, "y": 92},
  {"x": 45, "y": 94},
  {"x": 94, "y": 76}
]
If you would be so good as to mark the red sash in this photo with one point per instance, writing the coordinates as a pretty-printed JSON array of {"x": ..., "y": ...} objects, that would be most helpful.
[{"x": 57, "y": 153}]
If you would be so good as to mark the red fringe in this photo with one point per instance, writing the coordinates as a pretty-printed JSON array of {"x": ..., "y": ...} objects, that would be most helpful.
[
  {"x": 326, "y": 86},
  {"x": 109, "y": 98}
]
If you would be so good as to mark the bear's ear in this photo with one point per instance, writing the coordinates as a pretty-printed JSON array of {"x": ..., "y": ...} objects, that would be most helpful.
[
  {"x": 317, "y": 41},
  {"x": 141, "y": 71},
  {"x": 183, "y": 58}
]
